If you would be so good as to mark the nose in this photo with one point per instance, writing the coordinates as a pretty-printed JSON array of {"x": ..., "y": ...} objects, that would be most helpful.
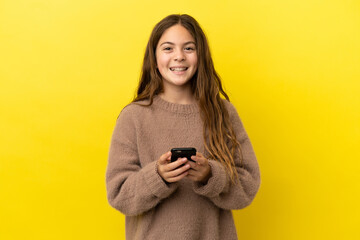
[{"x": 179, "y": 55}]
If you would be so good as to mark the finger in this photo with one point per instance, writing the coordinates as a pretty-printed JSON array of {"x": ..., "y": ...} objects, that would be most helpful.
[
  {"x": 197, "y": 166},
  {"x": 193, "y": 165},
  {"x": 176, "y": 164},
  {"x": 195, "y": 175},
  {"x": 192, "y": 173},
  {"x": 194, "y": 158},
  {"x": 197, "y": 157},
  {"x": 202, "y": 161},
  {"x": 163, "y": 158},
  {"x": 178, "y": 171},
  {"x": 178, "y": 178},
  {"x": 199, "y": 154}
]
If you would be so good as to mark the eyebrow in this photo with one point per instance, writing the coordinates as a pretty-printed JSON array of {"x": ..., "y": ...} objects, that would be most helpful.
[{"x": 171, "y": 43}]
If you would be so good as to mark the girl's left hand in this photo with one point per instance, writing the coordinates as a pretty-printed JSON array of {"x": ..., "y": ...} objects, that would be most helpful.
[{"x": 200, "y": 170}]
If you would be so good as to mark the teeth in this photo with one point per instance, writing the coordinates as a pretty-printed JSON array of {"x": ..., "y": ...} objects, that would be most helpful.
[{"x": 178, "y": 69}]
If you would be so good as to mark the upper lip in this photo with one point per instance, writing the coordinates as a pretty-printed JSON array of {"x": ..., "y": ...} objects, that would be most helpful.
[{"x": 178, "y": 67}]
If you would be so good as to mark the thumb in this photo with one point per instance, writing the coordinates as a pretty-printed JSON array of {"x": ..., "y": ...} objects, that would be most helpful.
[{"x": 164, "y": 158}]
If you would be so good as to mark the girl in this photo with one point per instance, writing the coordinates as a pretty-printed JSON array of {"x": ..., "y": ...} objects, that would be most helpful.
[{"x": 178, "y": 104}]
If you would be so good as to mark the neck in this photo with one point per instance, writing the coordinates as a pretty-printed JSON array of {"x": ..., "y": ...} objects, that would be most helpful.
[{"x": 180, "y": 95}]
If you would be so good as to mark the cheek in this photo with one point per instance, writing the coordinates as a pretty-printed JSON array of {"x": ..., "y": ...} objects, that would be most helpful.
[
  {"x": 194, "y": 61},
  {"x": 161, "y": 65},
  {"x": 161, "y": 61}
]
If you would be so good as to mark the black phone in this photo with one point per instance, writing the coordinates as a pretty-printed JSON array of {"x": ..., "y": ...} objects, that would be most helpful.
[{"x": 182, "y": 152}]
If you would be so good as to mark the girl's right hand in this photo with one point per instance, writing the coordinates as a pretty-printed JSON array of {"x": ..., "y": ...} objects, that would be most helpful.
[{"x": 171, "y": 171}]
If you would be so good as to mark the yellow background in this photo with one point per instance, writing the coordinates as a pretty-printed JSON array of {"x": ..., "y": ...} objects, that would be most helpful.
[{"x": 292, "y": 69}]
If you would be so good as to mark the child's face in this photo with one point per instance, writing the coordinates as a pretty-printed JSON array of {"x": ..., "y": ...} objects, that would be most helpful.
[{"x": 176, "y": 56}]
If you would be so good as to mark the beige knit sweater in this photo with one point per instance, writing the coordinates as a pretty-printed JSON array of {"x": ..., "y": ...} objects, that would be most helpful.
[{"x": 184, "y": 210}]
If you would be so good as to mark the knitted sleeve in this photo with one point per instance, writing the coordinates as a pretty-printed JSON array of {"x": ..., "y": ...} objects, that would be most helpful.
[
  {"x": 131, "y": 188},
  {"x": 219, "y": 188}
]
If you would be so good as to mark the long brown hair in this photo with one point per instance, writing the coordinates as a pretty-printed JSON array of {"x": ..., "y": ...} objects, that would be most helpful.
[{"x": 206, "y": 88}]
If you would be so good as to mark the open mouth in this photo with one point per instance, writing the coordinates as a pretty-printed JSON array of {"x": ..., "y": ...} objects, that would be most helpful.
[{"x": 178, "y": 69}]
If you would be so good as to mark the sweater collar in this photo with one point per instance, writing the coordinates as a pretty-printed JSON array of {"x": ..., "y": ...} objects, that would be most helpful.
[{"x": 175, "y": 107}]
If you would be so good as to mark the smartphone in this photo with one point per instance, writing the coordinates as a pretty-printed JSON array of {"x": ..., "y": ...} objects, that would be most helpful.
[{"x": 182, "y": 152}]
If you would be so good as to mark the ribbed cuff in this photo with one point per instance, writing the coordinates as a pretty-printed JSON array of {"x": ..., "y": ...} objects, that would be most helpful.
[
  {"x": 155, "y": 183},
  {"x": 216, "y": 183}
]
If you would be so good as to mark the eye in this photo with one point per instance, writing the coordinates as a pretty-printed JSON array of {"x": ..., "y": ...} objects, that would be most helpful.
[
  {"x": 189, "y": 49},
  {"x": 167, "y": 48}
]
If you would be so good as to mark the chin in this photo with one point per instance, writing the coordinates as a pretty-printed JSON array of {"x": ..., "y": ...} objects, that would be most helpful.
[{"x": 180, "y": 83}]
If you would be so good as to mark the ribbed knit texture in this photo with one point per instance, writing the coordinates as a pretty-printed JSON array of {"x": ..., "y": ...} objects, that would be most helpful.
[{"x": 184, "y": 210}]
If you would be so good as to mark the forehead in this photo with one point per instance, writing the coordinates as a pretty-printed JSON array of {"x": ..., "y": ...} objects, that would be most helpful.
[{"x": 176, "y": 34}]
